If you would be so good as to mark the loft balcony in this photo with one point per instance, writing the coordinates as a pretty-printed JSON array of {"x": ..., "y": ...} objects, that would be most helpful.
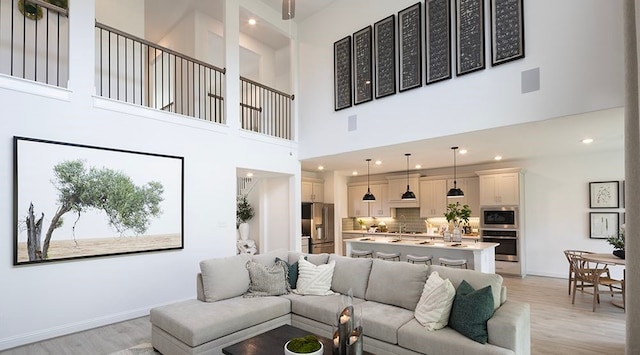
[{"x": 34, "y": 45}]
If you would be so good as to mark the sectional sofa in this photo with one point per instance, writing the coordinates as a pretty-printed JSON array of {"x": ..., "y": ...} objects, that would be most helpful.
[{"x": 385, "y": 293}]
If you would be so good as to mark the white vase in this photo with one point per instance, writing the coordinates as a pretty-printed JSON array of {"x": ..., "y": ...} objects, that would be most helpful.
[{"x": 243, "y": 228}]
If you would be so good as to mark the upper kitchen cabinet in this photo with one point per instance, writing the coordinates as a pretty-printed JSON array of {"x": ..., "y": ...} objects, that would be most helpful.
[
  {"x": 470, "y": 186},
  {"x": 433, "y": 198},
  {"x": 380, "y": 207},
  {"x": 312, "y": 190},
  {"x": 357, "y": 207},
  {"x": 398, "y": 186},
  {"x": 500, "y": 187}
]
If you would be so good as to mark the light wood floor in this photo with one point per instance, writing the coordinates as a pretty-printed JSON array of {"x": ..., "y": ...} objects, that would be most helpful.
[{"x": 557, "y": 326}]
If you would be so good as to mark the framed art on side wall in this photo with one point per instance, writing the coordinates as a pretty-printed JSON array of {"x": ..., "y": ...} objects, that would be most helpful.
[
  {"x": 362, "y": 66},
  {"x": 384, "y": 47},
  {"x": 603, "y": 225},
  {"x": 342, "y": 74},
  {"x": 603, "y": 194},
  {"x": 469, "y": 36},
  {"x": 76, "y": 201},
  {"x": 438, "y": 40},
  {"x": 507, "y": 31},
  {"x": 410, "y": 48}
]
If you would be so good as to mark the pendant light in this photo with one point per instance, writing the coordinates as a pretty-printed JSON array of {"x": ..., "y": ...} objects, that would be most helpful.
[
  {"x": 368, "y": 197},
  {"x": 408, "y": 195},
  {"x": 454, "y": 192}
]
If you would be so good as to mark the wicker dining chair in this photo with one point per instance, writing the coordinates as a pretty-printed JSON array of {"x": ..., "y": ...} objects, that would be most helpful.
[
  {"x": 568, "y": 254},
  {"x": 593, "y": 275}
]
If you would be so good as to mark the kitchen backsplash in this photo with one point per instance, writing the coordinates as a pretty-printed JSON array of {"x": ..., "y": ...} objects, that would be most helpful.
[{"x": 410, "y": 216}]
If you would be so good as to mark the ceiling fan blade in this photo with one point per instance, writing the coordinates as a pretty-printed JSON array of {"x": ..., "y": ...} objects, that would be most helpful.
[{"x": 288, "y": 9}]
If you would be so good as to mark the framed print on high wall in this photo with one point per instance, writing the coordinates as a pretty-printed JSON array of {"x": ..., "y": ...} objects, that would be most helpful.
[
  {"x": 603, "y": 194},
  {"x": 507, "y": 31},
  {"x": 362, "y": 65},
  {"x": 469, "y": 36},
  {"x": 384, "y": 47},
  {"x": 342, "y": 91},
  {"x": 410, "y": 48},
  {"x": 438, "y": 40},
  {"x": 76, "y": 201},
  {"x": 603, "y": 225}
]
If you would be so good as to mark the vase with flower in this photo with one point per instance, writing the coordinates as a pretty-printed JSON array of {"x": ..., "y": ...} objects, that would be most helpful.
[
  {"x": 456, "y": 215},
  {"x": 617, "y": 241}
]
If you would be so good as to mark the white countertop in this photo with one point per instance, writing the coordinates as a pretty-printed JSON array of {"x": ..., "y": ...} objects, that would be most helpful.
[
  {"x": 423, "y": 242},
  {"x": 403, "y": 235}
]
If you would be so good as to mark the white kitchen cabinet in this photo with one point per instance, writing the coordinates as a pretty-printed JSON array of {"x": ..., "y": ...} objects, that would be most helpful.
[
  {"x": 358, "y": 208},
  {"x": 398, "y": 186},
  {"x": 433, "y": 198},
  {"x": 470, "y": 186},
  {"x": 312, "y": 191},
  {"x": 380, "y": 207},
  {"x": 500, "y": 189}
]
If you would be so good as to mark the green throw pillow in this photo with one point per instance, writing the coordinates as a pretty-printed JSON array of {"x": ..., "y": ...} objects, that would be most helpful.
[
  {"x": 470, "y": 312},
  {"x": 293, "y": 272}
]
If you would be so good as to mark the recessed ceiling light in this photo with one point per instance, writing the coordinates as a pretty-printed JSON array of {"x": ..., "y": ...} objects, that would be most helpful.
[
  {"x": 418, "y": 166},
  {"x": 497, "y": 157},
  {"x": 378, "y": 162},
  {"x": 320, "y": 167},
  {"x": 249, "y": 174},
  {"x": 462, "y": 151},
  {"x": 587, "y": 140},
  {"x": 252, "y": 21},
  {"x": 354, "y": 173}
]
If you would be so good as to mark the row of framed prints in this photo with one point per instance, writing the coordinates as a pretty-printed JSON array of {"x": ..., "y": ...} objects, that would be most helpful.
[
  {"x": 365, "y": 63},
  {"x": 602, "y": 195}
]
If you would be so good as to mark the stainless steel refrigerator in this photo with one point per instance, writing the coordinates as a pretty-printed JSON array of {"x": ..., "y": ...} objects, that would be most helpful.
[{"x": 318, "y": 224}]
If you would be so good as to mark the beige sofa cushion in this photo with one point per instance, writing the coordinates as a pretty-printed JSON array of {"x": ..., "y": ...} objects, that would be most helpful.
[
  {"x": 269, "y": 258},
  {"x": 396, "y": 283},
  {"x": 476, "y": 279},
  {"x": 350, "y": 274},
  {"x": 224, "y": 278}
]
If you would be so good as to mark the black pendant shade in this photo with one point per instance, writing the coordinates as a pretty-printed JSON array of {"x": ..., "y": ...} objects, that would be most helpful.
[
  {"x": 288, "y": 9},
  {"x": 454, "y": 192},
  {"x": 408, "y": 195},
  {"x": 368, "y": 197}
]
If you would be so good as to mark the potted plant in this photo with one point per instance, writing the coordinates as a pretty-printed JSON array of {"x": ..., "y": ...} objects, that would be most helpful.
[
  {"x": 617, "y": 241},
  {"x": 244, "y": 213},
  {"x": 304, "y": 345},
  {"x": 456, "y": 214}
]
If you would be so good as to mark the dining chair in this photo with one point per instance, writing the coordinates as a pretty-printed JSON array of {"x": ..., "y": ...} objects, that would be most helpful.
[
  {"x": 593, "y": 275},
  {"x": 568, "y": 254}
]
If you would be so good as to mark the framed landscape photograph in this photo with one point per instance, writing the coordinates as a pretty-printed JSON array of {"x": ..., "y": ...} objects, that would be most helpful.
[
  {"x": 603, "y": 194},
  {"x": 469, "y": 36},
  {"x": 410, "y": 48},
  {"x": 507, "y": 31},
  {"x": 384, "y": 48},
  {"x": 438, "y": 40},
  {"x": 342, "y": 91},
  {"x": 76, "y": 201},
  {"x": 603, "y": 224},
  {"x": 363, "y": 65}
]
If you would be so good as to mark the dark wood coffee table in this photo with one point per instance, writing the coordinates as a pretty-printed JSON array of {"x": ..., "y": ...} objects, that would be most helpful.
[{"x": 272, "y": 342}]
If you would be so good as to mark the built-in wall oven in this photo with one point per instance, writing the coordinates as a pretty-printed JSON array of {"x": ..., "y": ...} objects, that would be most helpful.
[{"x": 508, "y": 240}]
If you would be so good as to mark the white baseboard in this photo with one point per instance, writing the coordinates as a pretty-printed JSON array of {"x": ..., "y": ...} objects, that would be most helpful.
[{"x": 66, "y": 329}]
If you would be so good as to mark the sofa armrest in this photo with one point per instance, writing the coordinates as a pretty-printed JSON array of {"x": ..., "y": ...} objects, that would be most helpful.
[
  {"x": 199, "y": 288},
  {"x": 510, "y": 327}
]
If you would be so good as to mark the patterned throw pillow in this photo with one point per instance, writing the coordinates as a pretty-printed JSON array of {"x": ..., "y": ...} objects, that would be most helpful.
[
  {"x": 292, "y": 271},
  {"x": 314, "y": 280},
  {"x": 267, "y": 280},
  {"x": 435, "y": 303}
]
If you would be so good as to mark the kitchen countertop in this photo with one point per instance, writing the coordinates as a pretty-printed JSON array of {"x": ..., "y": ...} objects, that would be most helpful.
[
  {"x": 405, "y": 235},
  {"x": 421, "y": 242}
]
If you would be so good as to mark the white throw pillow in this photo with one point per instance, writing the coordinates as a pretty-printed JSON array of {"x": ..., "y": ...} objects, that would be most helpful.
[
  {"x": 314, "y": 280},
  {"x": 434, "y": 306}
]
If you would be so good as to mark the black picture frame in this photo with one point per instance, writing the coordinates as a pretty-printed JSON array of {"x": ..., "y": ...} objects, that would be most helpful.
[
  {"x": 469, "y": 36},
  {"x": 342, "y": 72},
  {"x": 507, "y": 31},
  {"x": 604, "y": 194},
  {"x": 437, "y": 20},
  {"x": 410, "y": 47},
  {"x": 384, "y": 47},
  {"x": 74, "y": 201},
  {"x": 603, "y": 225},
  {"x": 363, "y": 65}
]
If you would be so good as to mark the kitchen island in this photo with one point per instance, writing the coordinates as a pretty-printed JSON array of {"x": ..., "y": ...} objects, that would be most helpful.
[{"x": 480, "y": 256}]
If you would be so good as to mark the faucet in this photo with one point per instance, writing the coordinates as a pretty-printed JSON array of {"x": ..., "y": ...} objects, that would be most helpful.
[{"x": 403, "y": 226}]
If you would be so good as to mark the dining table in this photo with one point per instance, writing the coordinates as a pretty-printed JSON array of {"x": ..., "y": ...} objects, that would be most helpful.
[{"x": 608, "y": 259}]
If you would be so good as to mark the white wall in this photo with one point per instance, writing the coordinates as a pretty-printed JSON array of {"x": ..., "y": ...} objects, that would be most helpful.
[{"x": 577, "y": 44}]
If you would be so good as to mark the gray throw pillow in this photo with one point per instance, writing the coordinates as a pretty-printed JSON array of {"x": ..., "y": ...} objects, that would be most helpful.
[{"x": 267, "y": 280}]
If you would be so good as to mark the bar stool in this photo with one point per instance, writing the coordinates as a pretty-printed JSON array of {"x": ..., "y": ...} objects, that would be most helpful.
[
  {"x": 388, "y": 256},
  {"x": 454, "y": 262},
  {"x": 361, "y": 253},
  {"x": 426, "y": 259}
]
